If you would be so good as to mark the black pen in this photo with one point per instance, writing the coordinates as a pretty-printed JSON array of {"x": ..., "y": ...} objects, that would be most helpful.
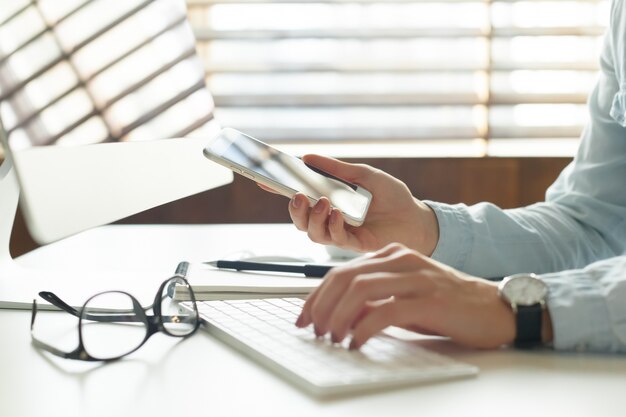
[{"x": 309, "y": 270}]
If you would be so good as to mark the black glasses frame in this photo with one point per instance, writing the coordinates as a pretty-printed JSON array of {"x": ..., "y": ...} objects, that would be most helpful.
[{"x": 154, "y": 323}]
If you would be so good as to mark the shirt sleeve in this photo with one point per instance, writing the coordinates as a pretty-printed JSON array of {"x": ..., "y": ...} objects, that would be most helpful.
[
  {"x": 577, "y": 238},
  {"x": 588, "y": 307},
  {"x": 583, "y": 219}
]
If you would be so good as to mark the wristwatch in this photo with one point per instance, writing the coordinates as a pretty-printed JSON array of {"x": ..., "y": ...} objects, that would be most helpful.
[{"x": 526, "y": 294}]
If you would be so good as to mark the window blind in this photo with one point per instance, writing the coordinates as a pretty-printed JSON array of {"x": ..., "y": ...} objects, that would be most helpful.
[
  {"x": 484, "y": 75},
  {"x": 86, "y": 71}
]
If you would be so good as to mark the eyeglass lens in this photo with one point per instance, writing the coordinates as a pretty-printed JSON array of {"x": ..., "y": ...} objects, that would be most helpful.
[{"x": 112, "y": 325}]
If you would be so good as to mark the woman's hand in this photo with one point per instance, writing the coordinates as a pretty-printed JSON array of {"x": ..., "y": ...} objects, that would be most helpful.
[
  {"x": 400, "y": 287},
  {"x": 394, "y": 214}
]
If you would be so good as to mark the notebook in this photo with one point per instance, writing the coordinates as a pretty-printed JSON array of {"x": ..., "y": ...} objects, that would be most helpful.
[{"x": 209, "y": 283}]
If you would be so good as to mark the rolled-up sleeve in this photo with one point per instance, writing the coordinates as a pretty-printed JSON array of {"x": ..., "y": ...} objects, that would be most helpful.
[
  {"x": 583, "y": 219},
  {"x": 588, "y": 307},
  {"x": 455, "y": 233}
]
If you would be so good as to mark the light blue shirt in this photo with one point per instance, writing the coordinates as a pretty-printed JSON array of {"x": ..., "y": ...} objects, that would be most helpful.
[{"x": 577, "y": 238}]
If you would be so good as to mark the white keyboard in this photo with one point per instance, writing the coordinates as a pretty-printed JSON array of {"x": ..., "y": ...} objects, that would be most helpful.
[{"x": 264, "y": 330}]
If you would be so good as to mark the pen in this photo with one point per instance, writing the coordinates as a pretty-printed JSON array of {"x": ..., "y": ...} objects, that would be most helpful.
[{"x": 309, "y": 270}]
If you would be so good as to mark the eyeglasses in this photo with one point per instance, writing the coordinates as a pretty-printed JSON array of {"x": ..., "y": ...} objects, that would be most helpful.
[{"x": 113, "y": 324}]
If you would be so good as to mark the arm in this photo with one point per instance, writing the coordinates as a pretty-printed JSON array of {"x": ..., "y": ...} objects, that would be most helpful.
[
  {"x": 396, "y": 286},
  {"x": 583, "y": 219},
  {"x": 584, "y": 216}
]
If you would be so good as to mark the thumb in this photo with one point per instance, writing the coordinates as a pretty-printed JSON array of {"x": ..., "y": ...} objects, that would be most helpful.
[{"x": 353, "y": 173}]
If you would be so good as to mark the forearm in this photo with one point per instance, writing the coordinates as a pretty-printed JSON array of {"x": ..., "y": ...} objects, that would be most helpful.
[
  {"x": 584, "y": 217},
  {"x": 484, "y": 240}
]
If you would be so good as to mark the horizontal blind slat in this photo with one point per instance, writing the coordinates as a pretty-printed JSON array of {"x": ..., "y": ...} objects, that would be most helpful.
[
  {"x": 206, "y": 34},
  {"x": 261, "y": 100},
  {"x": 399, "y": 134},
  {"x": 391, "y": 68}
]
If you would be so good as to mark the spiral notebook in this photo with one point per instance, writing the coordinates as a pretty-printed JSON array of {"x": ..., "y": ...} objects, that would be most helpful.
[{"x": 209, "y": 283}]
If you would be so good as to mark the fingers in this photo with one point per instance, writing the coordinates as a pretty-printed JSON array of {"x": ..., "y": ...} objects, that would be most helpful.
[
  {"x": 320, "y": 308},
  {"x": 304, "y": 319},
  {"x": 299, "y": 211},
  {"x": 318, "y": 222},
  {"x": 369, "y": 288},
  {"x": 323, "y": 224},
  {"x": 339, "y": 234},
  {"x": 336, "y": 228},
  {"x": 313, "y": 220},
  {"x": 334, "y": 280},
  {"x": 398, "y": 312},
  {"x": 314, "y": 308},
  {"x": 374, "y": 317}
]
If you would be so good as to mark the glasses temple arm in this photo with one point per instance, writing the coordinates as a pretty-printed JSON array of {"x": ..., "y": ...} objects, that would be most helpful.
[
  {"x": 53, "y": 299},
  {"x": 42, "y": 345},
  {"x": 57, "y": 302}
]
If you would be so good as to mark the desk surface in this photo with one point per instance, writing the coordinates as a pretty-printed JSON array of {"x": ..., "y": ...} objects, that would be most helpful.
[{"x": 202, "y": 376}]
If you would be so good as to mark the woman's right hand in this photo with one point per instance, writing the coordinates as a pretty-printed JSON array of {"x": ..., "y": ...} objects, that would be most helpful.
[{"x": 394, "y": 214}]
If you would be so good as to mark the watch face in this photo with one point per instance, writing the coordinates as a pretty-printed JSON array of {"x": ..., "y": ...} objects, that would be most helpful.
[{"x": 525, "y": 289}]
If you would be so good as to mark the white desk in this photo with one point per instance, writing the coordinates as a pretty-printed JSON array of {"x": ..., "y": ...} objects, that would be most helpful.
[{"x": 201, "y": 376}]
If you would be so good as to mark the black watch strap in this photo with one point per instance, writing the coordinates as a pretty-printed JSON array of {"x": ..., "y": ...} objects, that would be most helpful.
[{"x": 528, "y": 322}]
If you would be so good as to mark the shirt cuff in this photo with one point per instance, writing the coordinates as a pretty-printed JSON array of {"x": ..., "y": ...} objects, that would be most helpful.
[
  {"x": 455, "y": 239},
  {"x": 579, "y": 313}
]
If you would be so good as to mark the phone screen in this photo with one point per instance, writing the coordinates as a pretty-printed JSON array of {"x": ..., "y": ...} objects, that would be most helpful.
[{"x": 289, "y": 171}]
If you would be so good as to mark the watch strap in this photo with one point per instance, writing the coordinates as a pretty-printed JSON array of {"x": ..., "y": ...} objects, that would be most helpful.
[{"x": 528, "y": 323}]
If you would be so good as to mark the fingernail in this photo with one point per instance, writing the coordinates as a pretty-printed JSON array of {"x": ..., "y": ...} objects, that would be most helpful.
[
  {"x": 299, "y": 321},
  {"x": 317, "y": 331},
  {"x": 334, "y": 338},
  {"x": 353, "y": 345},
  {"x": 295, "y": 201}
]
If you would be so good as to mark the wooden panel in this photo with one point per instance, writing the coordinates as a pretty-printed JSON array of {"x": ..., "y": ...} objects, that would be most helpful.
[
  {"x": 538, "y": 174},
  {"x": 507, "y": 182}
]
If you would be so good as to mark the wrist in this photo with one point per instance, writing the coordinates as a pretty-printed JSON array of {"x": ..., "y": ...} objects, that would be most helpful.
[
  {"x": 508, "y": 330},
  {"x": 429, "y": 228},
  {"x": 526, "y": 294},
  {"x": 496, "y": 320},
  {"x": 506, "y": 323}
]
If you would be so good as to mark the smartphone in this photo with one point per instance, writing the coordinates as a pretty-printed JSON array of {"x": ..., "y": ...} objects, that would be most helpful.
[{"x": 287, "y": 174}]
